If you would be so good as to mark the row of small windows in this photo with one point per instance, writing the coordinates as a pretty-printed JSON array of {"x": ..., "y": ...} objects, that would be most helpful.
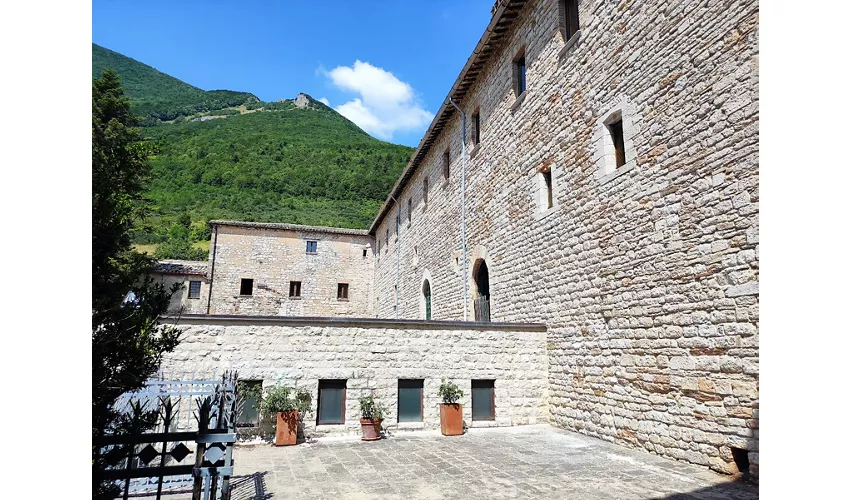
[
  {"x": 246, "y": 287},
  {"x": 568, "y": 21},
  {"x": 411, "y": 401}
]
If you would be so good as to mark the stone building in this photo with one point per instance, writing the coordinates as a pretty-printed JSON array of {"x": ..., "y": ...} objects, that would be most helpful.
[
  {"x": 289, "y": 270},
  {"x": 191, "y": 275},
  {"x": 605, "y": 184}
]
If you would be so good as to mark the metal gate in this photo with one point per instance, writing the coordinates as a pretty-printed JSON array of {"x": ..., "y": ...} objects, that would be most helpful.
[{"x": 162, "y": 459}]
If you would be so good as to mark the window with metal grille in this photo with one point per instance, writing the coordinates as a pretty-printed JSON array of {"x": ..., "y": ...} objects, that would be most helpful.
[
  {"x": 410, "y": 400},
  {"x": 312, "y": 246},
  {"x": 446, "y": 161},
  {"x": 250, "y": 392},
  {"x": 616, "y": 131},
  {"x": 246, "y": 287},
  {"x": 194, "y": 289},
  {"x": 519, "y": 75},
  {"x": 295, "y": 289},
  {"x": 342, "y": 291},
  {"x": 483, "y": 400},
  {"x": 568, "y": 18},
  {"x": 331, "y": 402}
]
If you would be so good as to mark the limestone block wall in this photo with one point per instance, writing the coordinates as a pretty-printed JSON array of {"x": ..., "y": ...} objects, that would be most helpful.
[
  {"x": 373, "y": 355},
  {"x": 273, "y": 257},
  {"x": 180, "y": 301},
  {"x": 646, "y": 274}
]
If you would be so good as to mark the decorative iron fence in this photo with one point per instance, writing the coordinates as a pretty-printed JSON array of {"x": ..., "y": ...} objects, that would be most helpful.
[
  {"x": 482, "y": 309},
  {"x": 209, "y": 425}
]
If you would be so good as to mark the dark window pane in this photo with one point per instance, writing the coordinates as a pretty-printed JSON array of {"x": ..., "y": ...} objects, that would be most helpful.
[
  {"x": 312, "y": 246},
  {"x": 331, "y": 402},
  {"x": 483, "y": 400},
  {"x": 250, "y": 414},
  {"x": 194, "y": 289},
  {"x": 616, "y": 130},
  {"x": 246, "y": 287},
  {"x": 410, "y": 400}
]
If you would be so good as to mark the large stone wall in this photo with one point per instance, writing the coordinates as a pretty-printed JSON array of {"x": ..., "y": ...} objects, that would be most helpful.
[
  {"x": 182, "y": 273},
  {"x": 373, "y": 355},
  {"x": 273, "y": 257},
  {"x": 647, "y": 274}
]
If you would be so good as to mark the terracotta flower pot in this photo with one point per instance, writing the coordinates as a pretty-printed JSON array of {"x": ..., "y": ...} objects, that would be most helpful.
[
  {"x": 286, "y": 431},
  {"x": 451, "y": 419},
  {"x": 371, "y": 428}
]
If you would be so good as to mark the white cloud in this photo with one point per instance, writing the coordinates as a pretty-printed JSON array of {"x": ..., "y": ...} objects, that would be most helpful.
[
  {"x": 386, "y": 104},
  {"x": 325, "y": 101}
]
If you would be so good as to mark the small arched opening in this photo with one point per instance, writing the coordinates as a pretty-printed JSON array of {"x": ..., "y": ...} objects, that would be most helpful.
[
  {"x": 481, "y": 302},
  {"x": 426, "y": 296}
]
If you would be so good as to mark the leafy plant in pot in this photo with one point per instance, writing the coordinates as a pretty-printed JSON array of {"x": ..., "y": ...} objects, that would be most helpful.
[
  {"x": 371, "y": 416},
  {"x": 288, "y": 405},
  {"x": 451, "y": 412}
]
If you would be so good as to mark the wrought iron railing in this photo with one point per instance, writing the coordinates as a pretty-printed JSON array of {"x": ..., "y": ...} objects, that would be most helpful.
[{"x": 160, "y": 459}]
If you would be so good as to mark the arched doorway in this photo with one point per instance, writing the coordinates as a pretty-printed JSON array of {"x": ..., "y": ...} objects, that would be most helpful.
[
  {"x": 481, "y": 303},
  {"x": 426, "y": 295}
]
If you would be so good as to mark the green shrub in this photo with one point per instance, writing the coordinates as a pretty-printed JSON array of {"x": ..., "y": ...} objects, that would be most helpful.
[
  {"x": 279, "y": 398},
  {"x": 371, "y": 410},
  {"x": 450, "y": 392}
]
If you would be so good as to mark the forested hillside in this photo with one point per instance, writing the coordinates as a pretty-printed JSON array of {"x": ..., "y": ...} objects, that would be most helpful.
[{"x": 252, "y": 160}]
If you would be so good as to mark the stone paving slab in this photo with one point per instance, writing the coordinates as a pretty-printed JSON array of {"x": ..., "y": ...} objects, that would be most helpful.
[{"x": 518, "y": 462}]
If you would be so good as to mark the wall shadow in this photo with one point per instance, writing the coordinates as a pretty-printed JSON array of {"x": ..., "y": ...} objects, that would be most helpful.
[{"x": 740, "y": 489}]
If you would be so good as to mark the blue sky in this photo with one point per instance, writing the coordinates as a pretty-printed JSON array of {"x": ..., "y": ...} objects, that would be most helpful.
[{"x": 387, "y": 65}]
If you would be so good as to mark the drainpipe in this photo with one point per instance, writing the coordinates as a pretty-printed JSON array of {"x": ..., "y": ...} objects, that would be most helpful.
[
  {"x": 212, "y": 269},
  {"x": 463, "y": 205},
  {"x": 397, "y": 250}
]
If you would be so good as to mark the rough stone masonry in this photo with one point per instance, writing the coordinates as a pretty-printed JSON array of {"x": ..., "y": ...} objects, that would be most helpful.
[{"x": 645, "y": 272}]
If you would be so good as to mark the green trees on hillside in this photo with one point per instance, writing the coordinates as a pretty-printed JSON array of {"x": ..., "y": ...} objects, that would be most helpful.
[{"x": 127, "y": 342}]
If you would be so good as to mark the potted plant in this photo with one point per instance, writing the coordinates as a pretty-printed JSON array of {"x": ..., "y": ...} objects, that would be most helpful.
[
  {"x": 286, "y": 404},
  {"x": 371, "y": 416},
  {"x": 451, "y": 412}
]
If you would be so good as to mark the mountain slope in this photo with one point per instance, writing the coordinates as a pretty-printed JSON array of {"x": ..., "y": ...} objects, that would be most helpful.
[
  {"x": 157, "y": 96},
  {"x": 295, "y": 160}
]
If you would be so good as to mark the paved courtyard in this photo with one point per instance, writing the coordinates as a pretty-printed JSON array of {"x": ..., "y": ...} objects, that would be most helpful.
[{"x": 518, "y": 462}]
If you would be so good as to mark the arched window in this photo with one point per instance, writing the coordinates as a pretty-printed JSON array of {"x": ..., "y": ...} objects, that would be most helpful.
[
  {"x": 426, "y": 294},
  {"x": 481, "y": 275}
]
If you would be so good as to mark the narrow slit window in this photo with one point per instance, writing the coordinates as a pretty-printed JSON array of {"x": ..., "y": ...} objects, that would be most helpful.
[
  {"x": 295, "y": 289},
  {"x": 246, "y": 287},
  {"x": 446, "y": 164},
  {"x": 331, "y": 404},
  {"x": 365, "y": 253},
  {"x": 519, "y": 69},
  {"x": 424, "y": 193},
  {"x": 409, "y": 209},
  {"x": 568, "y": 10},
  {"x": 547, "y": 181},
  {"x": 312, "y": 247},
  {"x": 194, "y": 289},
  {"x": 342, "y": 291},
  {"x": 616, "y": 131},
  {"x": 483, "y": 400},
  {"x": 410, "y": 400},
  {"x": 476, "y": 128}
]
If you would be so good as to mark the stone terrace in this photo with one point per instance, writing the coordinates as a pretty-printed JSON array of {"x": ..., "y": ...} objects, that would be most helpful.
[{"x": 519, "y": 462}]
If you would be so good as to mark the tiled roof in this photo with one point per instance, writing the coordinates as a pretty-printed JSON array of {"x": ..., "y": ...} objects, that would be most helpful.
[
  {"x": 290, "y": 227},
  {"x": 181, "y": 267}
]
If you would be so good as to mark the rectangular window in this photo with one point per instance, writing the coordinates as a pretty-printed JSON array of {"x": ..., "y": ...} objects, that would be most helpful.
[
  {"x": 409, "y": 209},
  {"x": 616, "y": 131},
  {"x": 476, "y": 128},
  {"x": 446, "y": 160},
  {"x": 331, "y": 402},
  {"x": 424, "y": 193},
  {"x": 568, "y": 13},
  {"x": 483, "y": 400},
  {"x": 246, "y": 287},
  {"x": 249, "y": 393},
  {"x": 312, "y": 246},
  {"x": 194, "y": 289},
  {"x": 364, "y": 252},
  {"x": 342, "y": 291},
  {"x": 547, "y": 180},
  {"x": 519, "y": 75},
  {"x": 410, "y": 400},
  {"x": 295, "y": 289}
]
